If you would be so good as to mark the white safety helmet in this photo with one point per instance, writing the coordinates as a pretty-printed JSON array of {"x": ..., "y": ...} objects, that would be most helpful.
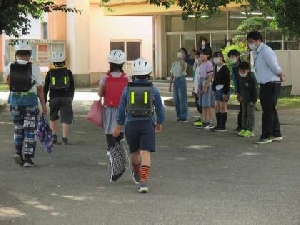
[
  {"x": 116, "y": 56},
  {"x": 23, "y": 45},
  {"x": 141, "y": 67},
  {"x": 57, "y": 56}
]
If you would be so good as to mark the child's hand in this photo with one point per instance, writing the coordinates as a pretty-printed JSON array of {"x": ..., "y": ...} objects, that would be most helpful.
[
  {"x": 117, "y": 131},
  {"x": 204, "y": 89},
  {"x": 158, "y": 128},
  {"x": 170, "y": 87}
]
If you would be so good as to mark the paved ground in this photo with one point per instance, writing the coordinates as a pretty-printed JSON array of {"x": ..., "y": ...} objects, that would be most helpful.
[{"x": 197, "y": 177}]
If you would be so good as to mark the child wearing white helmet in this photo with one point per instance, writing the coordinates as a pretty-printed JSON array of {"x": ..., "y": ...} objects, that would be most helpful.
[
  {"x": 111, "y": 87},
  {"x": 25, "y": 82},
  {"x": 59, "y": 82},
  {"x": 138, "y": 103}
]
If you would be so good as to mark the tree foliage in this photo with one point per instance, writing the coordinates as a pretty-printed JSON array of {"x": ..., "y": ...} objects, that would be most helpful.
[{"x": 14, "y": 14}]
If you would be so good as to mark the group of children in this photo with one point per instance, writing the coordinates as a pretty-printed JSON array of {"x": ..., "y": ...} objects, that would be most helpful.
[{"x": 212, "y": 90}]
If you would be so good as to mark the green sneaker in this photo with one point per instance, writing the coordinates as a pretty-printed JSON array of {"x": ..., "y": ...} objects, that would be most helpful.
[
  {"x": 198, "y": 123},
  {"x": 248, "y": 133},
  {"x": 241, "y": 133}
]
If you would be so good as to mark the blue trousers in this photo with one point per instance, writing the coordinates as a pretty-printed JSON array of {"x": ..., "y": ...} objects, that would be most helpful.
[{"x": 180, "y": 98}]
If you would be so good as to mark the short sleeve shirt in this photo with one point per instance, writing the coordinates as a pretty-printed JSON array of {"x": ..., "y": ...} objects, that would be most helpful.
[
  {"x": 205, "y": 69},
  {"x": 176, "y": 69}
]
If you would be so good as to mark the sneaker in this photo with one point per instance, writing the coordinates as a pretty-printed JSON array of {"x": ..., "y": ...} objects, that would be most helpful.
[
  {"x": 183, "y": 121},
  {"x": 237, "y": 130},
  {"x": 209, "y": 126},
  {"x": 18, "y": 159},
  {"x": 143, "y": 188},
  {"x": 241, "y": 133},
  {"x": 204, "y": 124},
  {"x": 219, "y": 129},
  {"x": 198, "y": 123},
  {"x": 64, "y": 141},
  {"x": 28, "y": 162},
  {"x": 54, "y": 138},
  {"x": 248, "y": 133},
  {"x": 276, "y": 139},
  {"x": 136, "y": 178},
  {"x": 263, "y": 141}
]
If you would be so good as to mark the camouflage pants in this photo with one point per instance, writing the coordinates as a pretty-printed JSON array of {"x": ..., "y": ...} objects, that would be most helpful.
[{"x": 25, "y": 125}]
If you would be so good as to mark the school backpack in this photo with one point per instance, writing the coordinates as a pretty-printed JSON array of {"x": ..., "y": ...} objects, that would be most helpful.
[
  {"x": 59, "y": 79},
  {"x": 140, "y": 99},
  {"x": 44, "y": 133},
  {"x": 113, "y": 89},
  {"x": 20, "y": 77}
]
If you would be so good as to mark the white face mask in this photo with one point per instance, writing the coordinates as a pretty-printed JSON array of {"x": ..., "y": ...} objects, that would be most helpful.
[
  {"x": 217, "y": 60},
  {"x": 252, "y": 46},
  {"x": 233, "y": 60},
  {"x": 179, "y": 55},
  {"x": 197, "y": 61},
  {"x": 243, "y": 74},
  {"x": 203, "y": 43}
]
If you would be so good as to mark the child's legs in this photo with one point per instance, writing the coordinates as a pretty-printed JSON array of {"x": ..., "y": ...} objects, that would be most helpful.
[
  {"x": 217, "y": 106},
  {"x": 18, "y": 120},
  {"x": 176, "y": 97},
  {"x": 30, "y": 126},
  {"x": 145, "y": 158},
  {"x": 244, "y": 115},
  {"x": 250, "y": 117}
]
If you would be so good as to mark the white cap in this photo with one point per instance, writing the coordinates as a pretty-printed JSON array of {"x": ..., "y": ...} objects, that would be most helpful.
[
  {"x": 57, "y": 56},
  {"x": 22, "y": 45},
  {"x": 141, "y": 67},
  {"x": 116, "y": 56}
]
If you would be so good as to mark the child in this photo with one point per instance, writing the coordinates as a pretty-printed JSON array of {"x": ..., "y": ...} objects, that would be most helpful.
[
  {"x": 248, "y": 98},
  {"x": 136, "y": 111},
  {"x": 60, "y": 81},
  {"x": 25, "y": 82},
  {"x": 197, "y": 123},
  {"x": 178, "y": 74},
  {"x": 111, "y": 87},
  {"x": 234, "y": 58},
  {"x": 205, "y": 88},
  {"x": 221, "y": 89}
]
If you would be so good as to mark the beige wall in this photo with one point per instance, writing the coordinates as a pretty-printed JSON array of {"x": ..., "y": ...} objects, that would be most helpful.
[
  {"x": 103, "y": 29},
  {"x": 289, "y": 61}
]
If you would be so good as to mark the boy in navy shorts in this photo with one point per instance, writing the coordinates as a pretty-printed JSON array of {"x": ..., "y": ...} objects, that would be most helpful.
[{"x": 138, "y": 102}]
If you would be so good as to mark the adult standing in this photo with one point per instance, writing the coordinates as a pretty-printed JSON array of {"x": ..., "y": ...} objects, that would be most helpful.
[
  {"x": 269, "y": 75},
  {"x": 178, "y": 77}
]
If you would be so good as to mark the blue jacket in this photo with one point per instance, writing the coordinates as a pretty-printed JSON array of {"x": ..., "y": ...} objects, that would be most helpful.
[{"x": 122, "y": 117}]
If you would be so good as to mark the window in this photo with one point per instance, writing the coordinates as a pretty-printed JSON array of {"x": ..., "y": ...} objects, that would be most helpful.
[
  {"x": 44, "y": 30},
  {"x": 132, "y": 48}
]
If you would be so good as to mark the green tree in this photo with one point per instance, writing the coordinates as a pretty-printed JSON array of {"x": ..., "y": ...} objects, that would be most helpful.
[{"x": 14, "y": 14}]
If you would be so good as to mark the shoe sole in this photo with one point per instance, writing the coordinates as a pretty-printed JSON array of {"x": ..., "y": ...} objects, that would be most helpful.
[
  {"x": 18, "y": 159},
  {"x": 277, "y": 139},
  {"x": 265, "y": 142},
  {"x": 28, "y": 165},
  {"x": 143, "y": 190}
]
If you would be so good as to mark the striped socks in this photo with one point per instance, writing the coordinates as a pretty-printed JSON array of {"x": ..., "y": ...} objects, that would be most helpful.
[{"x": 144, "y": 173}]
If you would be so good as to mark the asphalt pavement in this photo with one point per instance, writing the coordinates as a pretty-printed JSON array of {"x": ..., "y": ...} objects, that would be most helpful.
[{"x": 197, "y": 177}]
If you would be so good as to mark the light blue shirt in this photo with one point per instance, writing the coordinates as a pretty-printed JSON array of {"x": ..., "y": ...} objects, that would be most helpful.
[{"x": 266, "y": 64}]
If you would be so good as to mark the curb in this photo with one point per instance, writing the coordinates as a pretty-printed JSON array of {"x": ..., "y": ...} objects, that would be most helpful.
[{"x": 170, "y": 102}]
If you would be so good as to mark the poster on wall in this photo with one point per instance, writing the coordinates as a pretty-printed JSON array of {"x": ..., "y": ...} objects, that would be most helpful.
[{"x": 43, "y": 54}]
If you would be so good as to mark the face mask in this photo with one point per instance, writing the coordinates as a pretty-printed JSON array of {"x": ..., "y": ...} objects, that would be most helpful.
[
  {"x": 196, "y": 61},
  {"x": 217, "y": 60},
  {"x": 179, "y": 55},
  {"x": 233, "y": 60},
  {"x": 243, "y": 74},
  {"x": 252, "y": 46}
]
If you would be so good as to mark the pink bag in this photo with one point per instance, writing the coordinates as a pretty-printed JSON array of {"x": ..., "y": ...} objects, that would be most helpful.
[{"x": 95, "y": 113}]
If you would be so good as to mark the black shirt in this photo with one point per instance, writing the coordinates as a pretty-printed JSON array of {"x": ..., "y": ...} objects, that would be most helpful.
[
  {"x": 222, "y": 77},
  {"x": 248, "y": 87}
]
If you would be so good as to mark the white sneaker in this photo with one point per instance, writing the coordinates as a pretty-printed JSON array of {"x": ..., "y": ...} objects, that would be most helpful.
[{"x": 276, "y": 139}]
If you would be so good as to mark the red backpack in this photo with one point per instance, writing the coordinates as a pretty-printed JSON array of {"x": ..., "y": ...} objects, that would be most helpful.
[{"x": 113, "y": 89}]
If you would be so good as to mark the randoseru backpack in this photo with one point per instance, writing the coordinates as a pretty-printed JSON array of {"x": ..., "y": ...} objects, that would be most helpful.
[
  {"x": 113, "y": 89},
  {"x": 140, "y": 99},
  {"x": 59, "y": 79},
  {"x": 21, "y": 77}
]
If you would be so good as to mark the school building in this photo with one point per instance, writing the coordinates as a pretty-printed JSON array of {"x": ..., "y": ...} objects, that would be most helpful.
[{"x": 140, "y": 30}]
